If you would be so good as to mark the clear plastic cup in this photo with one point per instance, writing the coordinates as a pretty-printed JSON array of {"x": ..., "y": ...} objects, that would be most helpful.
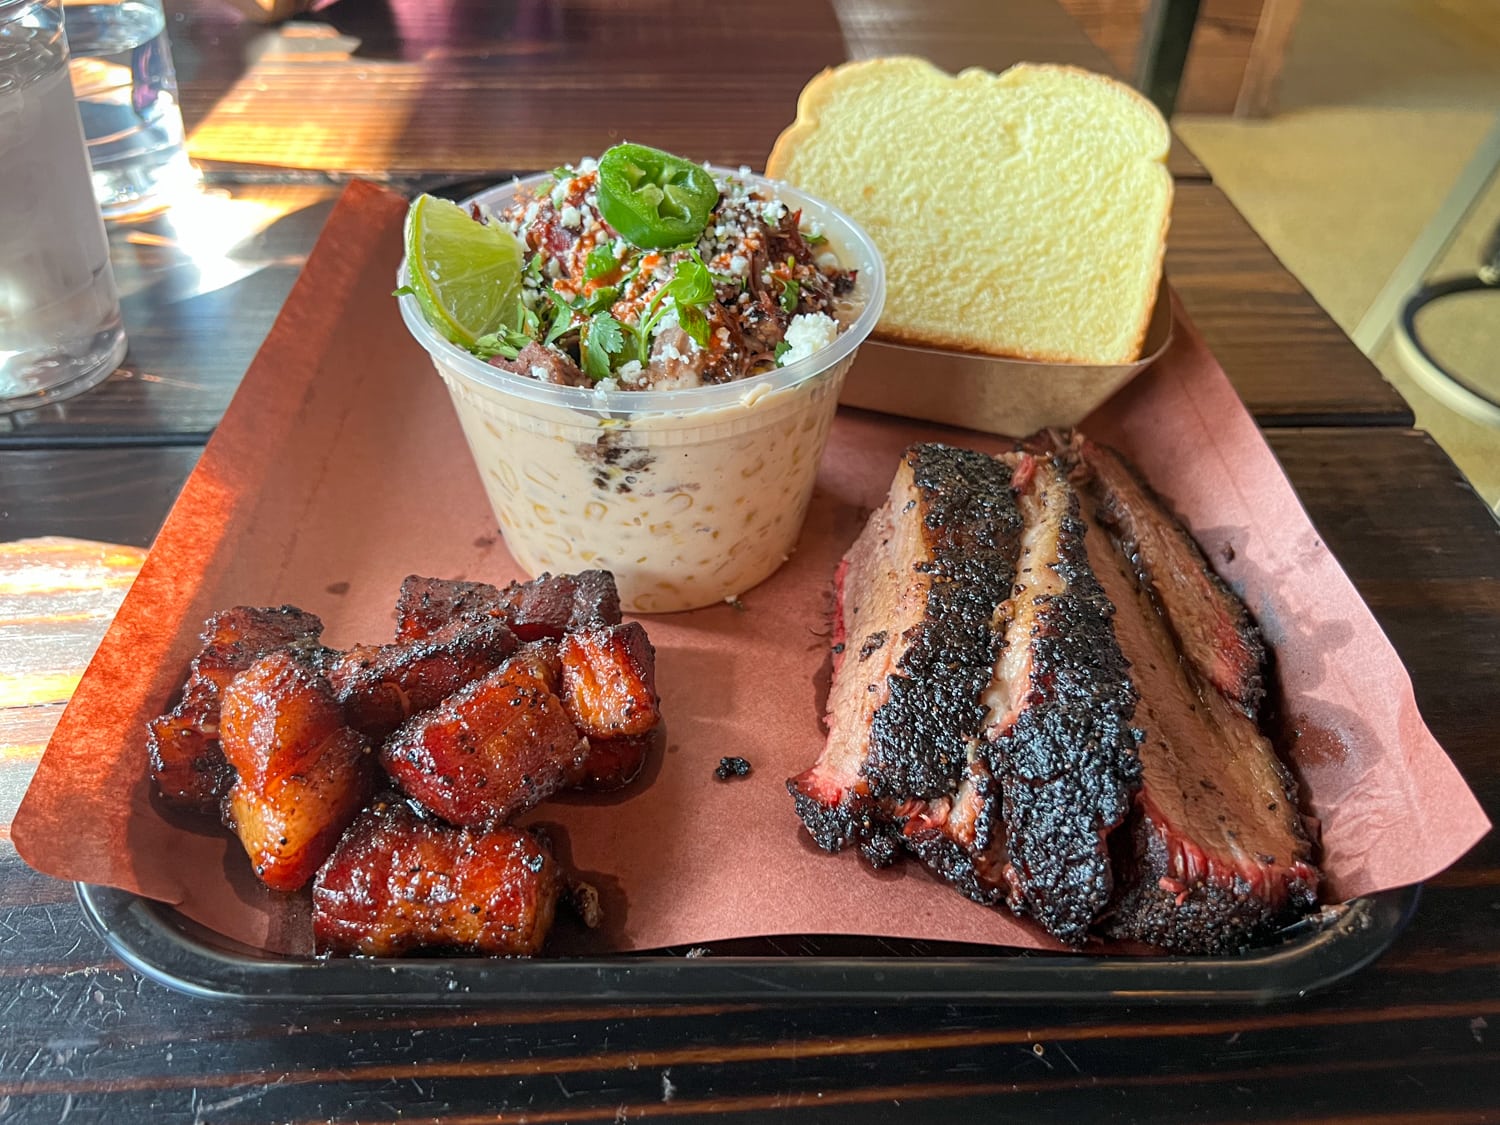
[{"x": 688, "y": 496}]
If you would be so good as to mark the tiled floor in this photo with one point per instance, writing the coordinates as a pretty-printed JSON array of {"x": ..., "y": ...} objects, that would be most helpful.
[{"x": 1381, "y": 104}]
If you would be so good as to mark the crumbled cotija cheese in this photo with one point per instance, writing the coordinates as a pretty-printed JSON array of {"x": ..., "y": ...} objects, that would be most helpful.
[{"x": 806, "y": 334}]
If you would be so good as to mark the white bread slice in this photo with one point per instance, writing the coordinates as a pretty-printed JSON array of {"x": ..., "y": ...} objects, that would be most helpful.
[{"x": 1020, "y": 214}]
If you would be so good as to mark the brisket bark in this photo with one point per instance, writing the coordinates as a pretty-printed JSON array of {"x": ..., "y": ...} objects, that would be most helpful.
[
  {"x": 916, "y": 643},
  {"x": 1059, "y": 740},
  {"x": 919, "y": 736}
]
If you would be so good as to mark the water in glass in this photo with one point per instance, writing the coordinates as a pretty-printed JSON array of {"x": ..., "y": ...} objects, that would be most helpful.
[
  {"x": 127, "y": 96},
  {"x": 59, "y": 315}
]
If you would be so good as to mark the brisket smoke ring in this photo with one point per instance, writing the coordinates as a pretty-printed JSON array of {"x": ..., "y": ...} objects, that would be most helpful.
[{"x": 1043, "y": 692}]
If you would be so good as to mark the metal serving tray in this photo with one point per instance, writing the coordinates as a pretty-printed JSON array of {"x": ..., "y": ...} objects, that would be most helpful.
[{"x": 166, "y": 947}]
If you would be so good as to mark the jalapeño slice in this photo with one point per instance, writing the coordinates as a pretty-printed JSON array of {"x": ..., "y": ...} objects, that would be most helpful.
[{"x": 653, "y": 199}]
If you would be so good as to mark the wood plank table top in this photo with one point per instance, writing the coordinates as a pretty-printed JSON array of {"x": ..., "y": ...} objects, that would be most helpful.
[
  {"x": 443, "y": 94},
  {"x": 196, "y": 316}
]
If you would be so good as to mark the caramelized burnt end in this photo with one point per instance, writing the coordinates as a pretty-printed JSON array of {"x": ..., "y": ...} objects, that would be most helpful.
[
  {"x": 613, "y": 763},
  {"x": 609, "y": 681},
  {"x": 544, "y": 608},
  {"x": 183, "y": 745},
  {"x": 381, "y": 686},
  {"x": 553, "y": 604},
  {"x": 302, "y": 774},
  {"x": 492, "y": 750},
  {"x": 399, "y": 882},
  {"x": 425, "y": 605},
  {"x": 186, "y": 759}
]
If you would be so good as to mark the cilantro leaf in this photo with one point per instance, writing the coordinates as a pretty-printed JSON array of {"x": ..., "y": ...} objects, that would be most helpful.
[
  {"x": 694, "y": 323},
  {"x": 562, "y": 315},
  {"x": 813, "y": 239},
  {"x": 602, "y": 339},
  {"x": 782, "y": 347},
  {"x": 530, "y": 324},
  {"x": 601, "y": 260},
  {"x": 692, "y": 285},
  {"x": 791, "y": 293}
]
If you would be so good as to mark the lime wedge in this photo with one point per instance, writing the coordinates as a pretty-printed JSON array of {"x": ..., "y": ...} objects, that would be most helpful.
[{"x": 465, "y": 275}]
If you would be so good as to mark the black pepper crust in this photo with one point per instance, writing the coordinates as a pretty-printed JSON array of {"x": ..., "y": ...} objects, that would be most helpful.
[
  {"x": 853, "y": 821},
  {"x": 972, "y": 529},
  {"x": 956, "y": 865},
  {"x": 1067, "y": 767},
  {"x": 1205, "y": 917}
]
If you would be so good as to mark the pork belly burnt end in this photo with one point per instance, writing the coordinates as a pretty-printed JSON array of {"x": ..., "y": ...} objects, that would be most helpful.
[
  {"x": 1211, "y": 625},
  {"x": 608, "y": 688},
  {"x": 491, "y": 750},
  {"x": 613, "y": 763},
  {"x": 606, "y": 681},
  {"x": 916, "y": 597},
  {"x": 609, "y": 681},
  {"x": 1214, "y": 855},
  {"x": 553, "y": 604},
  {"x": 1059, "y": 739},
  {"x": 302, "y": 774},
  {"x": 546, "y": 607},
  {"x": 425, "y": 605},
  {"x": 186, "y": 759},
  {"x": 399, "y": 882},
  {"x": 381, "y": 686}
]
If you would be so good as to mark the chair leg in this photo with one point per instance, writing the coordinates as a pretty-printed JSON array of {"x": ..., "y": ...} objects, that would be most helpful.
[
  {"x": 1435, "y": 238},
  {"x": 1166, "y": 35},
  {"x": 1273, "y": 32}
]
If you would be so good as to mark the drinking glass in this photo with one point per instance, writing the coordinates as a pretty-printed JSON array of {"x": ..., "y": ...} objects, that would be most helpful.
[
  {"x": 127, "y": 96},
  {"x": 60, "y": 330}
]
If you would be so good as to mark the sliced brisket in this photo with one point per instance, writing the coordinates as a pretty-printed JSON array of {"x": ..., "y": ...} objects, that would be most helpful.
[
  {"x": 968, "y": 526},
  {"x": 1215, "y": 854},
  {"x": 1059, "y": 738},
  {"x": 1042, "y": 691},
  {"x": 916, "y": 597},
  {"x": 1212, "y": 628}
]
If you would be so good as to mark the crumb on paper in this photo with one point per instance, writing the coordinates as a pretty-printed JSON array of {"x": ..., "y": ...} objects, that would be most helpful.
[
  {"x": 735, "y": 603},
  {"x": 732, "y": 767},
  {"x": 584, "y": 899}
]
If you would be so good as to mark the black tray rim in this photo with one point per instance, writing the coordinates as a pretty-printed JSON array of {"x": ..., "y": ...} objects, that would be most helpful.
[{"x": 152, "y": 939}]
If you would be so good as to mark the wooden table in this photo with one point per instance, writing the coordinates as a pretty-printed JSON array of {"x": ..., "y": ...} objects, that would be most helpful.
[{"x": 423, "y": 94}]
